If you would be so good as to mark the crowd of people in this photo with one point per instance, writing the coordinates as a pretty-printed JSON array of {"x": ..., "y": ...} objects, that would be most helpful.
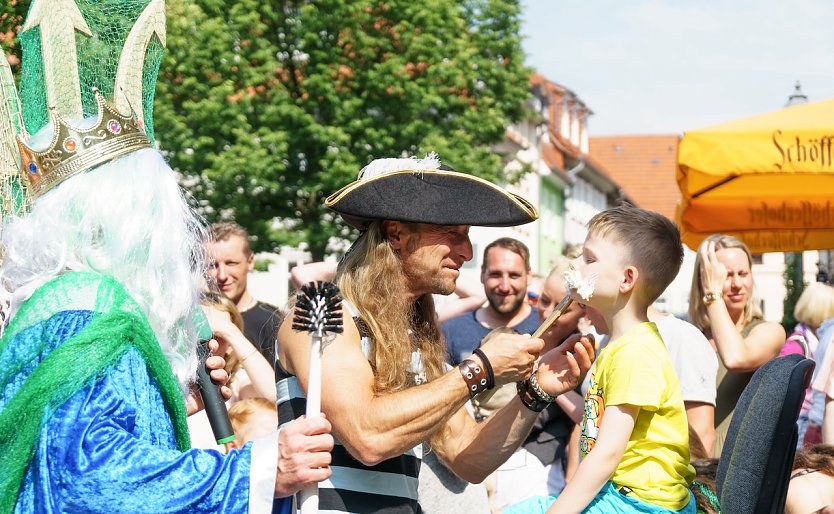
[
  {"x": 712, "y": 355},
  {"x": 108, "y": 278}
]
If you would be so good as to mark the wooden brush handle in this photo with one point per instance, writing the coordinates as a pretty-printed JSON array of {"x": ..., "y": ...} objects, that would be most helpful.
[{"x": 557, "y": 311}]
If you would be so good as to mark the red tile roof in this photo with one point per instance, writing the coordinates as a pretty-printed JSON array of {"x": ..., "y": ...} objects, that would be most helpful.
[
  {"x": 554, "y": 159},
  {"x": 644, "y": 166}
]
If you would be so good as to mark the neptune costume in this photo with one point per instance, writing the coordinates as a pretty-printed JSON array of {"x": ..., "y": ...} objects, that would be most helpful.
[
  {"x": 92, "y": 418},
  {"x": 108, "y": 447}
]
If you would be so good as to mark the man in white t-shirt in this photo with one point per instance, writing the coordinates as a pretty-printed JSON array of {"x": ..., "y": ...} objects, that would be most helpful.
[{"x": 696, "y": 366}]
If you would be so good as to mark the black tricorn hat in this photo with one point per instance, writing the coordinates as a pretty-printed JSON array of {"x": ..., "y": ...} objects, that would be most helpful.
[{"x": 423, "y": 191}]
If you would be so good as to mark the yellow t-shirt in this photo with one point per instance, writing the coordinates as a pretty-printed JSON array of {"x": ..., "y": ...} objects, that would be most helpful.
[{"x": 636, "y": 370}]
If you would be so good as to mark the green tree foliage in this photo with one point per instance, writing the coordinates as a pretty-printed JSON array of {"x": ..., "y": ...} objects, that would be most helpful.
[
  {"x": 267, "y": 107},
  {"x": 12, "y": 13},
  {"x": 794, "y": 285}
]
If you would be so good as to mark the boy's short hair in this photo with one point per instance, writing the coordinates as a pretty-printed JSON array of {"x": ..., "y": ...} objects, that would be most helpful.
[{"x": 653, "y": 242}]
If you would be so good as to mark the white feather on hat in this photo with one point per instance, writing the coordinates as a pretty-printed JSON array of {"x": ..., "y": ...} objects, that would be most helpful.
[{"x": 379, "y": 167}]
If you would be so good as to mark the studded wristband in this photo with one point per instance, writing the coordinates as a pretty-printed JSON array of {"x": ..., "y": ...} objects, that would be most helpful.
[
  {"x": 490, "y": 373},
  {"x": 475, "y": 376}
]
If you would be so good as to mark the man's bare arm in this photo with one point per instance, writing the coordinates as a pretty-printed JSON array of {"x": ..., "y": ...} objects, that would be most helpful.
[
  {"x": 474, "y": 450},
  {"x": 701, "y": 417},
  {"x": 469, "y": 297},
  {"x": 375, "y": 427}
]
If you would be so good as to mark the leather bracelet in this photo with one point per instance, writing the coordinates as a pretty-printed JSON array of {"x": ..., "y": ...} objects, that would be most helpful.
[
  {"x": 529, "y": 398},
  {"x": 534, "y": 384},
  {"x": 475, "y": 377},
  {"x": 490, "y": 374}
]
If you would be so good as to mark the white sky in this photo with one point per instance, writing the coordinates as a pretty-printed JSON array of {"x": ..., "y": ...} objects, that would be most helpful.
[{"x": 667, "y": 66}]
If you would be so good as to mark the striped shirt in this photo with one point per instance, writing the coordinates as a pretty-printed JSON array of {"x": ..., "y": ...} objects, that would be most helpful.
[{"x": 389, "y": 487}]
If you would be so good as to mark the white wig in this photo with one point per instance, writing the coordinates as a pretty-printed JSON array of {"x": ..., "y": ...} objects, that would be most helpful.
[{"x": 128, "y": 219}]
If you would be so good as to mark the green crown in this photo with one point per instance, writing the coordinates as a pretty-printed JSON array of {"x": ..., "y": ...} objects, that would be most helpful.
[{"x": 75, "y": 52}]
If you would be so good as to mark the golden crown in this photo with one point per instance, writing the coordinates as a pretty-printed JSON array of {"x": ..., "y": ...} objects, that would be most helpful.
[{"x": 75, "y": 149}]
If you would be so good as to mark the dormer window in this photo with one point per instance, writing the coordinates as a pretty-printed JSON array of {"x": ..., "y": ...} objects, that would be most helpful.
[
  {"x": 564, "y": 125},
  {"x": 584, "y": 145},
  {"x": 575, "y": 127}
]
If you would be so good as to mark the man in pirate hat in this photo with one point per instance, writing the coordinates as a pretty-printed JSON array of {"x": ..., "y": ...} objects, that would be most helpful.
[
  {"x": 100, "y": 254},
  {"x": 384, "y": 384}
]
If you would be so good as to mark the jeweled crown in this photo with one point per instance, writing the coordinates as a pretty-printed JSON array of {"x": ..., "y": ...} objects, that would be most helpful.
[
  {"x": 75, "y": 149},
  {"x": 70, "y": 48}
]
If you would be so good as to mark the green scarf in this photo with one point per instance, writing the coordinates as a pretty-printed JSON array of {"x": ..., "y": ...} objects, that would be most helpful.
[{"x": 117, "y": 325}]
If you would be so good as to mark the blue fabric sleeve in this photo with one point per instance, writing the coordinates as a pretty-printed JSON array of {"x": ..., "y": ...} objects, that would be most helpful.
[{"x": 111, "y": 448}]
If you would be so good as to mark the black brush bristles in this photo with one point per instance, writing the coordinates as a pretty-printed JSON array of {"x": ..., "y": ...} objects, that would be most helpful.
[{"x": 318, "y": 309}]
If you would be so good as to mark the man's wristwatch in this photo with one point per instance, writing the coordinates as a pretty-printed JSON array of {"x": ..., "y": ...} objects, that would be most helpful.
[{"x": 710, "y": 297}]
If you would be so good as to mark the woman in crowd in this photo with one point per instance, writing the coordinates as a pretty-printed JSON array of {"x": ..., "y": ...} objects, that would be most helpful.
[
  {"x": 553, "y": 291},
  {"x": 538, "y": 467},
  {"x": 703, "y": 487},
  {"x": 250, "y": 374},
  {"x": 815, "y": 306},
  {"x": 723, "y": 305},
  {"x": 823, "y": 384},
  {"x": 811, "y": 489},
  {"x": 558, "y": 422}
]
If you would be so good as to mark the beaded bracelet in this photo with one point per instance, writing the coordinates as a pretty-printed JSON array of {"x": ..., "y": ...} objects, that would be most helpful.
[
  {"x": 530, "y": 397},
  {"x": 534, "y": 383},
  {"x": 475, "y": 377}
]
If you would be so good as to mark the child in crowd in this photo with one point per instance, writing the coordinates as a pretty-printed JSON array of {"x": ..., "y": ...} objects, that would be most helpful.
[
  {"x": 252, "y": 418},
  {"x": 811, "y": 488},
  {"x": 634, "y": 442}
]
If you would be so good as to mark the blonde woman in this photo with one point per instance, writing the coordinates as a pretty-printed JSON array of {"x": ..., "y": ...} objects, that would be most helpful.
[
  {"x": 250, "y": 375},
  {"x": 571, "y": 402},
  {"x": 815, "y": 306},
  {"x": 723, "y": 305}
]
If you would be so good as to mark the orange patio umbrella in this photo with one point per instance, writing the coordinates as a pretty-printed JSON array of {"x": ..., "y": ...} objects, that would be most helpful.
[{"x": 767, "y": 179}]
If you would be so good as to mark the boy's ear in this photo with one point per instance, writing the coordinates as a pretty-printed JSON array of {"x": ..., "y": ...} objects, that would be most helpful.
[{"x": 629, "y": 279}]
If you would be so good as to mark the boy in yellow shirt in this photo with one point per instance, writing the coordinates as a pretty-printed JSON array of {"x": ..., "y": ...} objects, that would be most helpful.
[{"x": 634, "y": 441}]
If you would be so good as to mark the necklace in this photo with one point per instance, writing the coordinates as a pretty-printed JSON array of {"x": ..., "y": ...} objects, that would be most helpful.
[{"x": 252, "y": 302}]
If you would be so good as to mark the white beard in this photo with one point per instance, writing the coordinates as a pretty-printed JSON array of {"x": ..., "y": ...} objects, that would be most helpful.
[{"x": 128, "y": 219}]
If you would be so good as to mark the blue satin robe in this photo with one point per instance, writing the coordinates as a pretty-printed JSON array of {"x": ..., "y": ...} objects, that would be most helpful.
[{"x": 111, "y": 447}]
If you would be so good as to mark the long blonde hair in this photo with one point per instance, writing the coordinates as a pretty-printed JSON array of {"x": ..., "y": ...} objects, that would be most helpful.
[
  {"x": 371, "y": 277},
  {"x": 222, "y": 303},
  {"x": 697, "y": 310}
]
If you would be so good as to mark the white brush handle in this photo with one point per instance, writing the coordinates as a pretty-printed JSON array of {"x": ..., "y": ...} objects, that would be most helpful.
[{"x": 308, "y": 498}]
